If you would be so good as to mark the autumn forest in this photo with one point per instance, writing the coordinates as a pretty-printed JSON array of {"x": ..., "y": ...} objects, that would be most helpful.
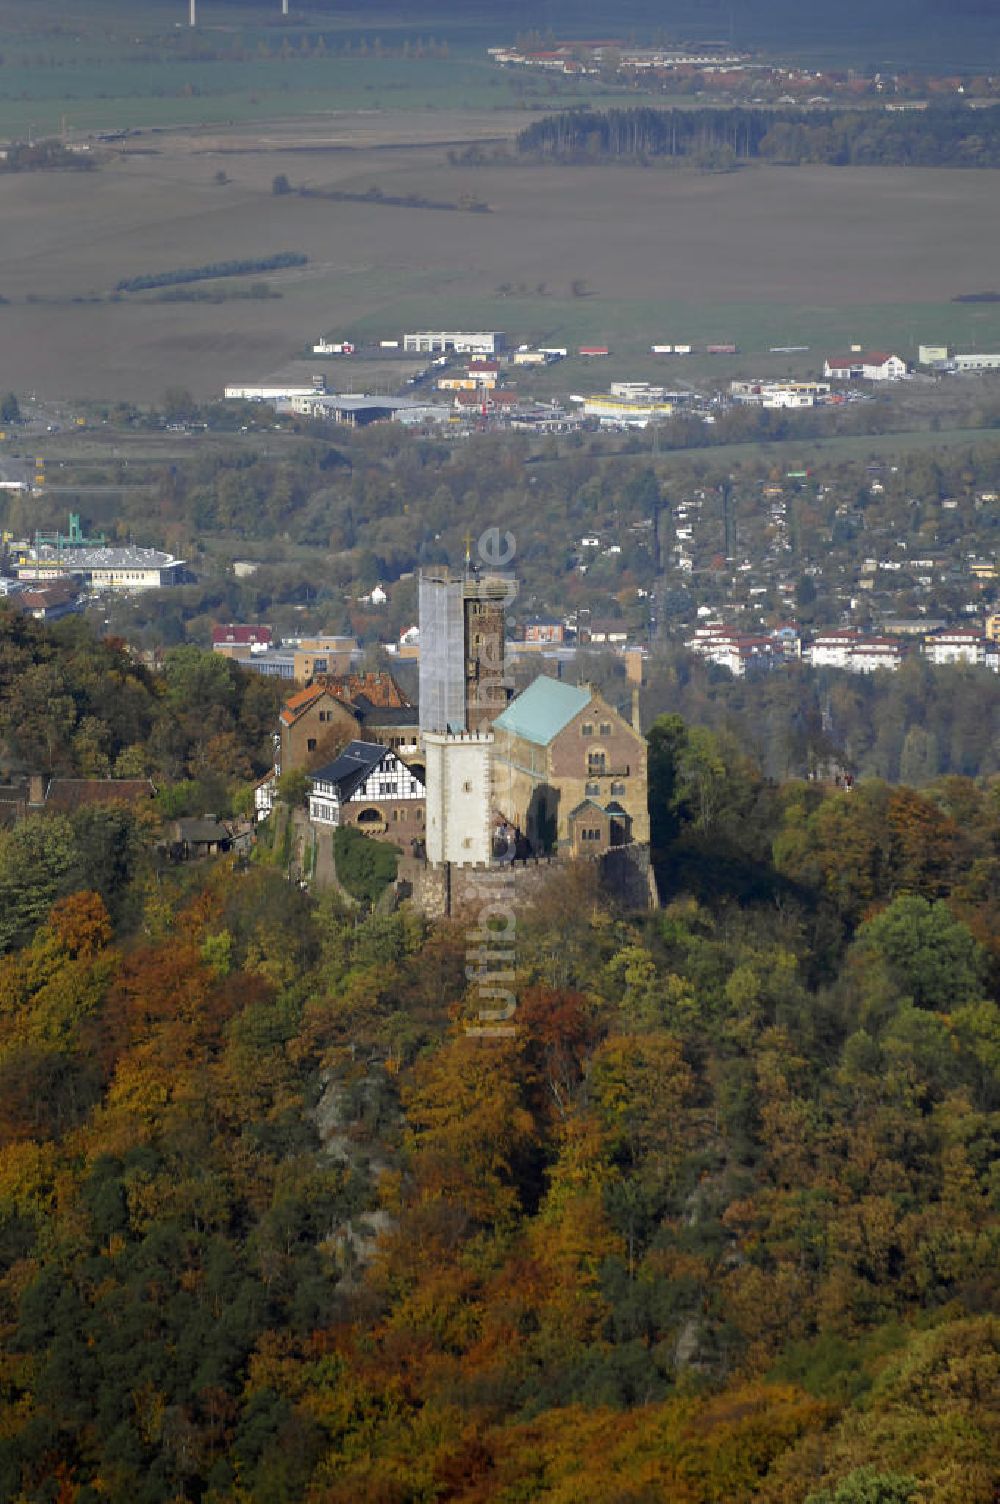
[{"x": 717, "y": 1223}]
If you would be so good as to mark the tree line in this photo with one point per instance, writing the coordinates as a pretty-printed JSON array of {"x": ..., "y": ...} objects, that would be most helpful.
[
  {"x": 943, "y": 136},
  {"x": 240, "y": 268},
  {"x": 913, "y": 726}
]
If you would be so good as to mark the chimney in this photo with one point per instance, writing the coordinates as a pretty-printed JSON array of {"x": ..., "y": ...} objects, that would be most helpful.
[{"x": 636, "y": 719}]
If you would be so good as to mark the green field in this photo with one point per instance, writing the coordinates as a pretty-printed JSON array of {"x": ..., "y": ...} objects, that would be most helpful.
[
  {"x": 630, "y": 326},
  {"x": 623, "y": 256},
  {"x": 110, "y": 70},
  {"x": 107, "y": 66}
]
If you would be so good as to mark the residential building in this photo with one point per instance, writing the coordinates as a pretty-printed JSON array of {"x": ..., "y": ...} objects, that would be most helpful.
[
  {"x": 875, "y": 653},
  {"x": 190, "y": 838},
  {"x": 854, "y": 652},
  {"x": 606, "y": 632},
  {"x": 744, "y": 653},
  {"x": 875, "y": 365},
  {"x": 369, "y": 787},
  {"x": 318, "y": 721},
  {"x": 313, "y": 726},
  {"x": 559, "y": 745},
  {"x": 50, "y": 601},
  {"x": 239, "y": 640},
  {"x": 833, "y": 649},
  {"x": 545, "y": 629},
  {"x": 955, "y": 646}
]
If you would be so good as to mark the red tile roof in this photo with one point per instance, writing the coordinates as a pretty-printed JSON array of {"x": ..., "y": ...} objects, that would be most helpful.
[
  {"x": 67, "y": 794},
  {"x": 377, "y": 687},
  {"x": 236, "y": 632}
]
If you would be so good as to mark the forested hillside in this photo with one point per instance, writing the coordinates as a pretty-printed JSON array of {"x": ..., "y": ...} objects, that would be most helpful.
[
  {"x": 912, "y": 726},
  {"x": 718, "y": 1222},
  {"x": 74, "y": 705}
]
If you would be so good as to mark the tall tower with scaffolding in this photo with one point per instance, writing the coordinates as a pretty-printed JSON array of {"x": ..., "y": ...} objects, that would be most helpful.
[
  {"x": 462, "y": 690},
  {"x": 463, "y": 685}
]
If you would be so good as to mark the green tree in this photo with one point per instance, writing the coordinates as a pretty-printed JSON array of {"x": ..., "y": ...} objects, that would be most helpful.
[
  {"x": 932, "y": 956},
  {"x": 38, "y": 862},
  {"x": 365, "y": 867},
  {"x": 293, "y": 788},
  {"x": 866, "y": 1486}
]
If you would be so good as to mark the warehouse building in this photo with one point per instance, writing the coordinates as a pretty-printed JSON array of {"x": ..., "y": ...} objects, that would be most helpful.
[
  {"x": 126, "y": 569},
  {"x": 441, "y": 341}
]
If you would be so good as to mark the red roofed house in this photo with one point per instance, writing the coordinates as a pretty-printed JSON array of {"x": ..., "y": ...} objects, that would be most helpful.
[
  {"x": 50, "y": 600},
  {"x": 485, "y": 373},
  {"x": 875, "y": 365},
  {"x": 317, "y": 723},
  {"x": 313, "y": 726},
  {"x": 238, "y": 641},
  {"x": 491, "y": 399}
]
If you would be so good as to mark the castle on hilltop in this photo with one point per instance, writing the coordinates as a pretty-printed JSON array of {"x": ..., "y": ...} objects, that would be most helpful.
[{"x": 555, "y": 773}]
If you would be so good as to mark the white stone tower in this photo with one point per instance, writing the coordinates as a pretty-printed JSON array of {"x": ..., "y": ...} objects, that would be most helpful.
[{"x": 459, "y": 797}]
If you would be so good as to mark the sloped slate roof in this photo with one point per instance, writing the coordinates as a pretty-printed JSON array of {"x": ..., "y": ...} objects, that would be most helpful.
[
  {"x": 541, "y": 712},
  {"x": 200, "y": 832},
  {"x": 349, "y": 771},
  {"x": 396, "y": 715}
]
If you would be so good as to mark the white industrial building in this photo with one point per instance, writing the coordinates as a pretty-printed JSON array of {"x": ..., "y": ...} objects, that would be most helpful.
[
  {"x": 440, "y": 341},
  {"x": 778, "y": 394},
  {"x": 126, "y": 569},
  {"x": 635, "y": 411},
  {"x": 273, "y": 392},
  {"x": 978, "y": 361}
]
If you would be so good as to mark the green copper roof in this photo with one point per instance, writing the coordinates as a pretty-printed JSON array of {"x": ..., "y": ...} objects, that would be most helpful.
[{"x": 541, "y": 712}]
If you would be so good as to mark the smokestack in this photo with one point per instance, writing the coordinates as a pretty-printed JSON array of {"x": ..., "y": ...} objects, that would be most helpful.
[
  {"x": 284, "y": 7},
  {"x": 636, "y": 721},
  {"x": 193, "y": 21}
]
